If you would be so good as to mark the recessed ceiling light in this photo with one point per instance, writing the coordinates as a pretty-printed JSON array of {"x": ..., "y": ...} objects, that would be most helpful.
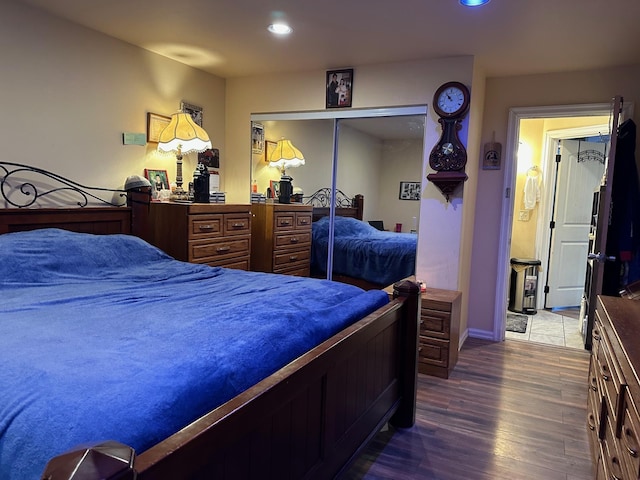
[
  {"x": 280, "y": 28},
  {"x": 473, "y": 3}
]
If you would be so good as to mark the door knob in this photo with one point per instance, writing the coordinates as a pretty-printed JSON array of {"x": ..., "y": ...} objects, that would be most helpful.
[{"x": 601, "y": 257}]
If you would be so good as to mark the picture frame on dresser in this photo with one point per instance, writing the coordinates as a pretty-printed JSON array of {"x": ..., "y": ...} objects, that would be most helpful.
[{"x": 159, "y": 179}]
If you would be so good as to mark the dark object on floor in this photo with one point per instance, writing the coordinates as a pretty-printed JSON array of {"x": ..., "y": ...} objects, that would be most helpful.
[{"x": 517, "y": 323}]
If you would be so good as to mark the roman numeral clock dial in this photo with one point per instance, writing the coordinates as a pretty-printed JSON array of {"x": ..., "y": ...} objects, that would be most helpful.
[{"x": 449, "y": 157}]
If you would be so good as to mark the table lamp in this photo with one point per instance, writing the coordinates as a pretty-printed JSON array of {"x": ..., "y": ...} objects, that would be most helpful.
[
  {"x": 182, "y": 136},
  {"x": 283, "y": 156}
]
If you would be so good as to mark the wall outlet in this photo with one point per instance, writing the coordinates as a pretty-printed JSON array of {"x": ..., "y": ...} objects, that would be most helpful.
[{"x": 523, "y": 215}]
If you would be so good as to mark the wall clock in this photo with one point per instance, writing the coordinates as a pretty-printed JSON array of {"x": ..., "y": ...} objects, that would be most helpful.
[{"x": 449, "y": 157}]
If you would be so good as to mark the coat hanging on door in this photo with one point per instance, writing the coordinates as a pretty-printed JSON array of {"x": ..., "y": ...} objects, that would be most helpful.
[{"x": 623, "y": 238}]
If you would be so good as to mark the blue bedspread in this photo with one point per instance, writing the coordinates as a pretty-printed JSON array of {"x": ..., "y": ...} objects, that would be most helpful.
[
  {"x": 106, "y": 337},
  {"x": 361, "y": 251}
]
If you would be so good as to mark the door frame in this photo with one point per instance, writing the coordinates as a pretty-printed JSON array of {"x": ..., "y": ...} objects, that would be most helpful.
[
  {"x": 510, "y": 165},
  {"x": 543, "y": 239}
]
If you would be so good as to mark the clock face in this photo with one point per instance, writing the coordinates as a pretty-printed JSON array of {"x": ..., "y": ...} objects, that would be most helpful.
[{"x": 451, "y": 100}]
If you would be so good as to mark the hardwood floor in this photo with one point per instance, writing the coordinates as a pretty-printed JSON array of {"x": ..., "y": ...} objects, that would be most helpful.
[{"x": 511, "y": 410}]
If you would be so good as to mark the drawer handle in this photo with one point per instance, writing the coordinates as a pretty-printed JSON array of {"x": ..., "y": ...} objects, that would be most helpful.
[
  {"x": 605, "y": 377},
  {"x": 285, "y": 222},
  {"x": 304, "y": 222},
  {"x": 293, "y": 258},
  {"x": 630, "y": 437},
  {"x": 421, "y": 322},
  {"x": 205, "y": 227},
  {"x": 238, "y": 225},
  {"x": 596, "y": 337},
  {"x": 226, "y": 248},
  {"x": 294, "y": 240}
]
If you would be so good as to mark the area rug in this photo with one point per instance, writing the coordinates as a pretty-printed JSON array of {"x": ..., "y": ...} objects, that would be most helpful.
[{"x": 517, "y": 323}]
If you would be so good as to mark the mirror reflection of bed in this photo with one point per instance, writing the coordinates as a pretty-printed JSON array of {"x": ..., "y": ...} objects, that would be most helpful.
[{"x": 374, "y": 155}]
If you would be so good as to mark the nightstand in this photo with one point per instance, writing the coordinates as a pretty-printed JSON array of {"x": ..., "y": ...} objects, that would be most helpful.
[
  {"x": 439, "y": 332},
  {"x": 212, "y": 233},
  {"x": 281, "y": 238}
]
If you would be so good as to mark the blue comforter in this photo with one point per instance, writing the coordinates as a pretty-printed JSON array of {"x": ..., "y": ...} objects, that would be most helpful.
[
  {"x": 106, "y": 337},
  {"x": 361, "y": 251}
]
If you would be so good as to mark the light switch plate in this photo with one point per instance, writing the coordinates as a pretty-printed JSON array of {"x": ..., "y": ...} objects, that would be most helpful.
[{"x": 523, "y": 215}]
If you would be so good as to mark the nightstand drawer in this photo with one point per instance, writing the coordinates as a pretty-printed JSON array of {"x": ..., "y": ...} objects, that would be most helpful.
[
  {"x": 434, "y": 323},
  {"x": 433, "y": 351},
  {"x": 288, "y": 258},
  {"x": 203, "y": 251},
  {"x": 201, "y": 226},
  {"x": 284, "y": 240},
  {"x": 239, "y": 224}
]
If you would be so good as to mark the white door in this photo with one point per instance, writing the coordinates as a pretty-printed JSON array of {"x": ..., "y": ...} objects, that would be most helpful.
[{"x": 580, "y": 172}]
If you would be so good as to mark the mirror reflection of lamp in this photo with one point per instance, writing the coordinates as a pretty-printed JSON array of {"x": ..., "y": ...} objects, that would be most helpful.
[
  {"x": 182, "y": 136},
  {"x": 284, "y": 156}
]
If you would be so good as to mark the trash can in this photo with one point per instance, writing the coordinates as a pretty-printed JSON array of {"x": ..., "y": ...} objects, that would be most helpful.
[{"x": 524, "y": 285}]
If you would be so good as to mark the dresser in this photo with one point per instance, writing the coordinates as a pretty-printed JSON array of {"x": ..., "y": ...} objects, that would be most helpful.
[
  {"x": 216, "y": 234},
  {"x": 439, "y": 332},
  {"x": 281, "y": 238},
  {"x": 614, "y": 389}
]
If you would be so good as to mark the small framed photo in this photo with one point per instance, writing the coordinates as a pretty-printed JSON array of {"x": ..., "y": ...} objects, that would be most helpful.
[
  {"x": 269, "y": 147},
  {"x": 158, "y": 178},
  {"x": 410, "y": 190},
  {"x": 257, "y": 137},
  {"x": 193, "y": 110},
  {"x": 339, "y": 88},
  {"x": 274, "y": 185},
  {"x": 155, "y": 125}
]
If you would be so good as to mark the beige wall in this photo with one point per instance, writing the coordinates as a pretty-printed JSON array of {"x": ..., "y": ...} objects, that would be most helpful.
[
  {"x": 68, "y": 93},
  {"x": 589, "y": 87}
]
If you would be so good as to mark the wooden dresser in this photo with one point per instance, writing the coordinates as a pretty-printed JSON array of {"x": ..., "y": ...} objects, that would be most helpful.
[
  {"x": 614, "y": 389},
  {"x": 281, "y": 238},
  {"x": 439, "y": 332},
  {"x": 212, "y": 233}
]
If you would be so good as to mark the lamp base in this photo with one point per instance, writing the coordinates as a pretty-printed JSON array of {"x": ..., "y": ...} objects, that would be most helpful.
[
  {"x": 179, "y": 194},
  {"x": 286, "y": 189}
]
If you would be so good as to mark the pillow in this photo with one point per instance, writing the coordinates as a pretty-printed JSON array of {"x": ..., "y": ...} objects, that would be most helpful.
[{"x": 38, "y": 256}]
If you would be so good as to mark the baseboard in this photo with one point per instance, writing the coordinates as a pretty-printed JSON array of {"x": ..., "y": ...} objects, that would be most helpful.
[{"x": 482, "y": 334}]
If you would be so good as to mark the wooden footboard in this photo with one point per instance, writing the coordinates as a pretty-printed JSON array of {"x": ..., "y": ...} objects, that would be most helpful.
[{"x": 309, "y": 419}]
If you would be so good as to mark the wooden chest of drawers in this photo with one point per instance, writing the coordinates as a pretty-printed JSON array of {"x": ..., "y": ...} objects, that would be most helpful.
[
  {"x": 211, "y": 233},
  {"x": 614, "y": 389},
  {"x": 281, "y": 238},
  {"x": 439, "y": 332}
]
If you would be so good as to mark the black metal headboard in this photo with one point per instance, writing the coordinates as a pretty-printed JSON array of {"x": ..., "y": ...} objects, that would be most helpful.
[{"x": 22, "y": 185}]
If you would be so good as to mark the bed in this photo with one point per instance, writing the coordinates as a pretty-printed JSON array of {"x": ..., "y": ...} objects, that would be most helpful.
[
  {"x": 305, "y": 416},
  {"x": 362, "y": 255}
]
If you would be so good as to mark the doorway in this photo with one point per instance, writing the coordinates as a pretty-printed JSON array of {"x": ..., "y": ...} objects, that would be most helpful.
[{"x": 553, "y": 118}]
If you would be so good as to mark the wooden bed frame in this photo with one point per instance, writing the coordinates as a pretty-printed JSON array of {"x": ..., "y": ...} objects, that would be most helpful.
[{"x": 308, "y": 420}]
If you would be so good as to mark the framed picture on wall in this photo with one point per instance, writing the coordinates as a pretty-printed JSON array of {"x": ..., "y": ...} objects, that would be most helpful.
[
  {"x": 339, "y": 88},
  {"x": 409, "y": 191},
  {"x": 269, "y": 147},
  {"x": 257, "y": 137},
  {"x": 155, "y": 125},
  {"x": 193, "y": 110}
]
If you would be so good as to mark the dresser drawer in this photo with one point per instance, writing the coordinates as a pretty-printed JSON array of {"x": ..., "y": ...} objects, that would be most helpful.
[
  {"x": 290, "y": 257},
  {"x": 434, "y": 323},
  {"x": 433, "y": 351},
  {"x": 284, "y": 221},
  {"x": 610, "y": 378},
  {"x": 241, "y": 263},
  {"x": 630, "y": 437},
  {"x": 594, "y": 406},
  {"x": 238, "y": 224},
  {"x": 299, "y": 270},
  {"x": 203, "y": 251},
  {"x": 205, "y": 226},
  {"x": 611, "y": 455},
  {"x": 303, "y": 220},
  {"x": 284, "y": 240}
]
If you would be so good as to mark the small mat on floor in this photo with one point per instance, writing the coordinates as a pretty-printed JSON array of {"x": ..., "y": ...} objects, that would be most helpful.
[{"x": 517, "y": 323}]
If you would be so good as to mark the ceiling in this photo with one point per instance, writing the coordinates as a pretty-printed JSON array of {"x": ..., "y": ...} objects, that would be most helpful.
[{"x": 507, "y": 37}]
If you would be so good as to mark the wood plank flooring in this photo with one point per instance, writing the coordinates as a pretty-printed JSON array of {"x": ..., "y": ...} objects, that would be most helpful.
[{"x": 510, "y": 410}]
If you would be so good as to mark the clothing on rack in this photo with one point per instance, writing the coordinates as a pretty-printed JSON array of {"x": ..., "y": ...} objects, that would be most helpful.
[{"x": 532, "y": 188}]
